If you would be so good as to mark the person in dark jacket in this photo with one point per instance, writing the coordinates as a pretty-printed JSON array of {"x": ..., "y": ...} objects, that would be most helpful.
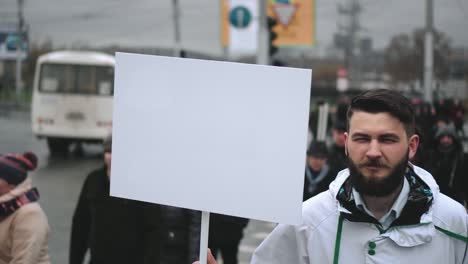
[
  {"x": 114, "y": 230},
  {"x": 337, "y": 158},
  {"x": 180, "y": 235},
  {"x": 225, "y": 235},
  {"x": 449, "y": 164},
  {"x": 457, "y": 115},
  {"x": 317, "y": 173}
]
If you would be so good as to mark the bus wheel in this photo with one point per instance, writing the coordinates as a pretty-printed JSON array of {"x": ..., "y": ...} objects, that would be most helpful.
[{"x": 58, "y": 146}]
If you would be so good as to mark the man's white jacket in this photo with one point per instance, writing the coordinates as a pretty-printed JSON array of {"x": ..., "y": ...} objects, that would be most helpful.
[{"x": 330, "y": 232}]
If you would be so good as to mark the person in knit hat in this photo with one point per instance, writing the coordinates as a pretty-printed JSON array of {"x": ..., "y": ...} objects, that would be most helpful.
[
  {"x": 318, "y": 174},
  {"x": 449, "y": 164},
  {"x": 24, "y": 228}
]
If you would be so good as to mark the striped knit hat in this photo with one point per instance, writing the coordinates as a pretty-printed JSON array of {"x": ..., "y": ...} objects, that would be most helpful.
[{"x": 14, "y": 167}]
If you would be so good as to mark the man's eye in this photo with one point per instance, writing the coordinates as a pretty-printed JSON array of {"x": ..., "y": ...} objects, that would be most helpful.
[
  {"x": 360, "y": 139},
  {"x": 389, "y": 140}
]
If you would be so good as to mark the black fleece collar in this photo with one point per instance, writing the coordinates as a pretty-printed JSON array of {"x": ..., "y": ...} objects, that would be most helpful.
[{"x": 419, "y": 200}]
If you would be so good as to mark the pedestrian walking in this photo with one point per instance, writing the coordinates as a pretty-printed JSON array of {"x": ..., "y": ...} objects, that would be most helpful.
[
  {"x": 24, "y": 229},
  {"x": 318, "y": 174},
  {"x": 449, "y": 164},
  {"x": 113, "y": 230},
  {"x": 225, "y": 235},
  {"x": 180, "y": 235},
  {"x": 337, "y": 156},
  {"x": 458, "y": 117}
]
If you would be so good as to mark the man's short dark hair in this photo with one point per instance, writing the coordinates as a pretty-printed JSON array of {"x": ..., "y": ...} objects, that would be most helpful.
[{"x": 384, "y": 101}]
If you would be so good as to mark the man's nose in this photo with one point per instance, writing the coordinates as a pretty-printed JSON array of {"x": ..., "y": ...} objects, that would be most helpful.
[{"x": 374, "y": 150}]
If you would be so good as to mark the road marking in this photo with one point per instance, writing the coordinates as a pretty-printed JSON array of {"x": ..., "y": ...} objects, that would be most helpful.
[
  {"x": 247, "y": 249},
  {"x": 260, "y": 235}
]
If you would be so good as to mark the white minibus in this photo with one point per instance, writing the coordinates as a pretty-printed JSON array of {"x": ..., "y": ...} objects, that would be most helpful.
[{"x": 72, "y": 98}]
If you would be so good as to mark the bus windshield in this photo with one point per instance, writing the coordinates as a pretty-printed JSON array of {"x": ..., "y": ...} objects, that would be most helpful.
[{"x": 76, "y": 79}]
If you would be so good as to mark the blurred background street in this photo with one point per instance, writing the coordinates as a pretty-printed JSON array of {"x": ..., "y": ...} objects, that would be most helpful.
[
  {"x": 59, "y": 180},
  {"x": 419, "y": 48}
]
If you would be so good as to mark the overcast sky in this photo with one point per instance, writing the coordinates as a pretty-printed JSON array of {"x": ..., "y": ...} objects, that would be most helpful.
[{"x": 150, "y": 23}]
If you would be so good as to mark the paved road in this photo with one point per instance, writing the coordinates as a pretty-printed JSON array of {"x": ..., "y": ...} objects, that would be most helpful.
[{"x": 59, "y": 181}]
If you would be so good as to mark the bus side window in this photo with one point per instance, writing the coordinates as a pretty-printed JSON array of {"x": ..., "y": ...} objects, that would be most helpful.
[
  {"x": 52, "y": 78},
  {"x": 68, "y": 80},
  {"x": 85, "y": 80},
  {"x": 104, "y": 80}
]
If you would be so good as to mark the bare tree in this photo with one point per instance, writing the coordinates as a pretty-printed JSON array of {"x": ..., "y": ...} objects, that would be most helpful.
[{"x": 404, "y": 56}]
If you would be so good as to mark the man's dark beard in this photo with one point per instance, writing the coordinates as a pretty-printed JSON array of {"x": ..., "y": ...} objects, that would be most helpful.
[{"x": 377, "y": 187}]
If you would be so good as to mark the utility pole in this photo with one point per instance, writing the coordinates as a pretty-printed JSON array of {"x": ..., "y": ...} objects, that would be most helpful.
[
  {"x": 351, "y": 12},
  {"x": 428, "y": 51},
  {"x": 224, "y": 48},
  {"x": 176, "y": 17},
  {"x": 263, "y": 53},
  {"x": 19, "y": 40}
]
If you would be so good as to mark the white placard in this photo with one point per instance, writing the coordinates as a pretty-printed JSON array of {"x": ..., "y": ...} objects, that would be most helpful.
[{"x": 218, "y": 137}]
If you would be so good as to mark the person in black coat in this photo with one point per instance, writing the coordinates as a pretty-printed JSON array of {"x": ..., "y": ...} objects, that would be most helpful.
[
  {"x": 449, "y": 164},
  {"x": 337, "y": 157},
  {"x": 114, "y": 230},
  {"x": 225, "y": 234},
  {"x": 318, "y": 174},
  {"x": 180, "y": 235}
]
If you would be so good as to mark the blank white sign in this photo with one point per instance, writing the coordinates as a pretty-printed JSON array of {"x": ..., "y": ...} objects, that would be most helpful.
[{"x": 221, "y": 137}]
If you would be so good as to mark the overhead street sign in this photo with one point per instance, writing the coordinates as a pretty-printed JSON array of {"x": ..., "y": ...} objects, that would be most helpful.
[
  {"x": 284, "y": 13},
  {"x": 240, "y": 17},
  {"x": 296, "y": 19},
  {"x": 9, "y": 41},
  {"x": 239, "y": 26}
]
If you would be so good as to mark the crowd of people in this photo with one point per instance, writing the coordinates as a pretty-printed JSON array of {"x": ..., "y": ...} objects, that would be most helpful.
[
  {"x": 440, "y": 150},
  {"x": 390, "y": 188}
]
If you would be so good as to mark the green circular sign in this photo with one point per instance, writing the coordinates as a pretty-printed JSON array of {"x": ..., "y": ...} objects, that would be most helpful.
[{"x": 240, "y": 17}]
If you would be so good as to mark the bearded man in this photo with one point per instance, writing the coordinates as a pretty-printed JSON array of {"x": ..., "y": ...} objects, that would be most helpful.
[{"x": 382, "y": 209}]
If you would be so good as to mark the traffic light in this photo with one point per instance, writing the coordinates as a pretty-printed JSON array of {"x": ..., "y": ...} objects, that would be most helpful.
[
  {"x": 277, "y": 62},
  {"x": 271, "y": 23}
]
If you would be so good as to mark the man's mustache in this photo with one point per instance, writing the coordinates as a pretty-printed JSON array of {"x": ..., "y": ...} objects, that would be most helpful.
[{"x": 374, "y": 163}]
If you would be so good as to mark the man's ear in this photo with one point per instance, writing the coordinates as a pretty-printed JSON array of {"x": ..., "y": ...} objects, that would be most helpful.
[
  {"x": 413, "y": 144},
  {"x": 346, "y": 143}
]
